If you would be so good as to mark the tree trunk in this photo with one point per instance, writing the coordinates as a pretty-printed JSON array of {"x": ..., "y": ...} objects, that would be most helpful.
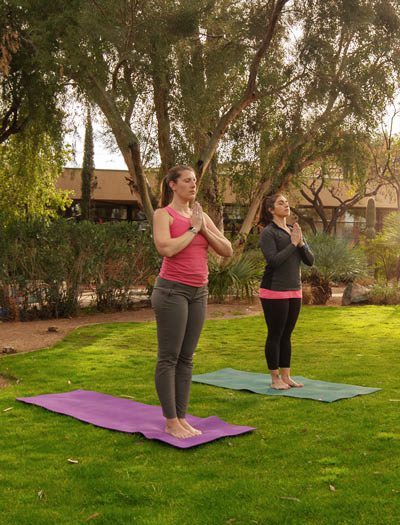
[
  {"x": 161, "y": 87},
  {"x": 128, "y": 144},
  {"x": 212, "y": 196},
  {"x": 248, "y": 222}
]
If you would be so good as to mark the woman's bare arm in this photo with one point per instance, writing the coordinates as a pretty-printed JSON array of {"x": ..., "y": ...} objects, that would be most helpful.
[
  {"x": 165, "y": 244},
  {"x": 218, "y": 242}
]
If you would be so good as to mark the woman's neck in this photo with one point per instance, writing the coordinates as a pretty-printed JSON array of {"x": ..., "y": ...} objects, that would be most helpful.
[
  {"x": 179, "y": 205},
  {"x": 280, "y": 221}
]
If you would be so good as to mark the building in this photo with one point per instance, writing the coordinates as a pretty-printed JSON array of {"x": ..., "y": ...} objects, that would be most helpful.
[
  {"x": 113, "y": 199},
  {"x": 112, "y": 196}
]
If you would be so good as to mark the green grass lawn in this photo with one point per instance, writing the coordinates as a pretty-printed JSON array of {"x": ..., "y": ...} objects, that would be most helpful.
[{"x": 307, "y": 462}]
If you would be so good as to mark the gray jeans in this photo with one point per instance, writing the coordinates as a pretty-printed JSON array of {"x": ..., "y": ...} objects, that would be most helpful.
[{"x": 180, "y": 312}]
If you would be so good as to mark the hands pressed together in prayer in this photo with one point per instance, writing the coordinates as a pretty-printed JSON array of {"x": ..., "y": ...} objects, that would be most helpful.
[
  {"x": 197, "y": 220},
  {"x": 297, "y": 235}
]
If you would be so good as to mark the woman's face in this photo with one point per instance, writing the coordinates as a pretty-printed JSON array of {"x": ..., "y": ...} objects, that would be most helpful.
[
  {"x": 281, "y": 207},
  {"x": 185, "y": 186}
]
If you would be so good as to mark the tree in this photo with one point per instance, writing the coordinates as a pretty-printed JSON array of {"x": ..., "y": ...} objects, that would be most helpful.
[
  {"x": 347, "y": 193},
  {"x": 30, "y": 164},
  {"x": 313, "y": 75},
  {"x": 347, "y": 65},
  {"x": 87, "y": 174},
  {"x": 222, "y": 60},
  {"x": 385, "y": 152},
  {"x": 30, "y": 88},
  {"x": 118, "y": 49}
]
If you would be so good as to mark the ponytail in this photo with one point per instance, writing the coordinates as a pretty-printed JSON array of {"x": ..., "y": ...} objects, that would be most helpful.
[{"x": 172, "y": 175}]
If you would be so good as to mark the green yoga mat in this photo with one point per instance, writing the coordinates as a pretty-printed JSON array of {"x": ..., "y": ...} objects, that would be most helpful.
[{"x": 260, "y": 384}]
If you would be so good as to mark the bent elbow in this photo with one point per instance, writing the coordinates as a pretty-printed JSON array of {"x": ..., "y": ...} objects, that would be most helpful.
[
  {"x": 168, "y": 252},
  {"x": 225, "y": 251},
  {"x": 271, "y": 263},
  {"x": 164, "y": 251}
]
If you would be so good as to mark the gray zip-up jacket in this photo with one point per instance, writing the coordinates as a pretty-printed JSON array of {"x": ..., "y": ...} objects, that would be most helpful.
[{"x": 282, "y": 271}]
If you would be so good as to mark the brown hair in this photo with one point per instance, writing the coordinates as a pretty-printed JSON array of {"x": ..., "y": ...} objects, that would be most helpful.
[
  {"x": 172, "y": 175},
  {"x": 267, "y": 203}
]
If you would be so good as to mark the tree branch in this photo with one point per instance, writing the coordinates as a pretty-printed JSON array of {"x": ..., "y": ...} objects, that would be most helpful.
[{"x": 248, "y": 96}]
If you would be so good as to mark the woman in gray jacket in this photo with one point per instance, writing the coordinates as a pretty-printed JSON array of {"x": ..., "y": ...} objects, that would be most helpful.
[{"x": 280, "y": 293}]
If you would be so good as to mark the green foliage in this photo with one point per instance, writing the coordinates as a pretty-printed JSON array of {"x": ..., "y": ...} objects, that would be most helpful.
[
  {"x": 239, "y": 277},
  {"x": 335, "y": 260},
  {"x": 370, "y": 231},
  {"x": 382, "y": 257},
  {"x": 384, "y": 294},
  {"x": 30, "y": 164},
  {"x": 126, "y": 257},
  {"x": 88, "y": 182},
  {"x": 31, "y": 87},
  {"x": 44, "y": 267},
  {"x": 391, "y": 229},
  {"x": 384, "y": 249}
]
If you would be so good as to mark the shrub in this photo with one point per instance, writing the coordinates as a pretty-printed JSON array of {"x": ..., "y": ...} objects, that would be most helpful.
[
  {"x": 384, "y": 294},
  {"x": 44, "y": 267},
  {"x": 384, "y": 250},
  {"x": 335, "y": 260},
  {"x": 239, "y": 277},
  {"x": 126, "y": 258}
]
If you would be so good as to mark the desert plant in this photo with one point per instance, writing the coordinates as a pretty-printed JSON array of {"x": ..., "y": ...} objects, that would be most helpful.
[
  {"x": 239, "y": 277},
  {"x": 335, "y": 260},
  {"x": 370, "y": 231}
]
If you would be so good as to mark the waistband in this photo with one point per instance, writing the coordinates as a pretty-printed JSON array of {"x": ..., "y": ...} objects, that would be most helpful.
[
  {"x": 166, "y": 283},
  {"x": 264, "y": 293}
]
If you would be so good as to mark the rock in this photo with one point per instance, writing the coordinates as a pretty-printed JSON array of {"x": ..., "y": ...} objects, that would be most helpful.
[
  {"x": 9, "y": 350},
  {"x": 52, "y": 329},
  {"x": 355, "y": 294}
]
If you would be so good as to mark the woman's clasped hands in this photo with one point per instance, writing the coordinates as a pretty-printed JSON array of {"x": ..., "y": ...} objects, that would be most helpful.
[{"x": 296, "y": 235}]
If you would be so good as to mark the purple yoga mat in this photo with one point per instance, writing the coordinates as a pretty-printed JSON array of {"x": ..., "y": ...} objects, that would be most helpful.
[{"x": 116, "y": 413}]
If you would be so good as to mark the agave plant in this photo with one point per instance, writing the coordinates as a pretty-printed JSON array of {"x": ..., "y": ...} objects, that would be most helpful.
[
  {"x": 239, "y": 277},
  {"x": 335, "y": 260}
]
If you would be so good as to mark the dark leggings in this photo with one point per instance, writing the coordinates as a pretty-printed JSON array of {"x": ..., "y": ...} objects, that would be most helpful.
[
  {"x": 281, "y": 316},
  {"x": 180, "y": 311}
]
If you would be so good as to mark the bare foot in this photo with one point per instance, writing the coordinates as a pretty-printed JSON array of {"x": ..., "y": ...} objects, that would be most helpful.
[
  {"x": 278, "y": 384},
  {"x": 175, "y": 429},
  {"x": 291, "y": 382},
  {"x": 186, "y": 425}
]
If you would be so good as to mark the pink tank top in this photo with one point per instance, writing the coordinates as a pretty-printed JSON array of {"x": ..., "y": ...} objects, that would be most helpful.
[{"x": 189, "y": 266}]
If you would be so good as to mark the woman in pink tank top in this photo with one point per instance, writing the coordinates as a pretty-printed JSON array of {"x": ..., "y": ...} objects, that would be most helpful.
[{"x": 182, "y": 235}]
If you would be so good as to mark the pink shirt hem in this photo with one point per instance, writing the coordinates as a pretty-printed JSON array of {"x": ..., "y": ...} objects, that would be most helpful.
[
  {"x": 277, "y": 294},
  {"x": 194, "y": 280}
]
